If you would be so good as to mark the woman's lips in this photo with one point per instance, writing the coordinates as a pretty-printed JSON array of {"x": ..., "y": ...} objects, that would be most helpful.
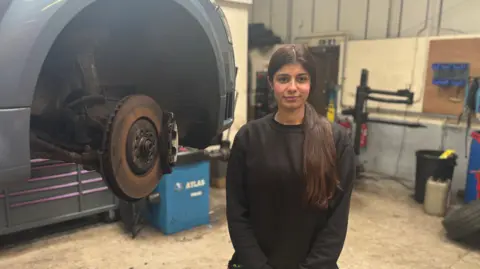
[{"x": 290, "y": 98}]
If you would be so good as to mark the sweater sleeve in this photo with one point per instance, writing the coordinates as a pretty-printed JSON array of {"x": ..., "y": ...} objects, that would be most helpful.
[
  {"x": 329, "y": 241},
  {"x": 247, "y": 250}
]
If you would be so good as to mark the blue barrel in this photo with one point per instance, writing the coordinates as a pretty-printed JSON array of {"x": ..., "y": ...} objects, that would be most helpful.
[{"x": 472, "y": 185}]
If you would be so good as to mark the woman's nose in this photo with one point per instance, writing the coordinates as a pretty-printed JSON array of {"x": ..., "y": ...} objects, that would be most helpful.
[{"x": 293, "y": 86}]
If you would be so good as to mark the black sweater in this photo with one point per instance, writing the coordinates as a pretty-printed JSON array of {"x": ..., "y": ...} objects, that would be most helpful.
[{"x": 269, "y": 224}]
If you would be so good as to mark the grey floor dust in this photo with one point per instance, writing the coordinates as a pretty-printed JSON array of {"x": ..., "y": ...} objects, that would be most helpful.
[{"x": 387, "y": 230}]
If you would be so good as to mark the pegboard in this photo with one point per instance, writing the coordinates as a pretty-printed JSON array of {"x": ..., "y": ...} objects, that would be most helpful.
[{"x": 449, "y": 100}]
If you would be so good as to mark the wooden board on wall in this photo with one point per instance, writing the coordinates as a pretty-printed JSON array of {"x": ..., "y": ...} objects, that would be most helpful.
[{"x": 442, "y": 100}]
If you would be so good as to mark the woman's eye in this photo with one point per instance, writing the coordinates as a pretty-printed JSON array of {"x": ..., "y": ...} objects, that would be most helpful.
[
  {"x": 283, "y": 79},
  {"x": 302, "y": 79}
]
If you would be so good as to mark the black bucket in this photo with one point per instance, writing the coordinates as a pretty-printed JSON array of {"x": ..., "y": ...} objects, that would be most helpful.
[{"x": 429, "y": 165}]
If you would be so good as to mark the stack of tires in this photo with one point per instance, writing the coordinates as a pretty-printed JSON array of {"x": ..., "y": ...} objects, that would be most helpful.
[{"x": 463, "y": 224}]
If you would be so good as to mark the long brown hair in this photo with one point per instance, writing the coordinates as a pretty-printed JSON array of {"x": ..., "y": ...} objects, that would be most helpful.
[{"x": 319, "y": 154}]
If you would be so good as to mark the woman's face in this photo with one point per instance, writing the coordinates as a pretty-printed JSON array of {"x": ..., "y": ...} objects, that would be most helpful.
[{"x": 291, "y": 85}]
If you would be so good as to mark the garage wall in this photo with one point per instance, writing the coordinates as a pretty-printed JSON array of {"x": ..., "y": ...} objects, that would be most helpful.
[
  {"x": 237, "y": 14},
  {"x": 391, "y": 39},
  {"x": 367, "y": 19},
  {"x": 401, "y": 63}
]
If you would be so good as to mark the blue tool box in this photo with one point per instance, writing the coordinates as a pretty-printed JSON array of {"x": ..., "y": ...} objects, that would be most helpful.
[{"x": 184, "y": 195}]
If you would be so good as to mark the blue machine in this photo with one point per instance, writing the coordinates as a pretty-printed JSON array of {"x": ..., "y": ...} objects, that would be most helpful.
[
  {"x": 472, "y": 106},
  {"x": 184, "y": 195},
  {"x": 472, "y": 187}
]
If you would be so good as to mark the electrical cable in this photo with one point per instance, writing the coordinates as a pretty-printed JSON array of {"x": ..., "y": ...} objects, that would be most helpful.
[
  {"x": 417, "y": 39},
  {"x": 448, "y": 10},
  {"x": 402, "y": 143},
  {"x": 443, "y": 135},
  {"x": 402, "y": 181}
]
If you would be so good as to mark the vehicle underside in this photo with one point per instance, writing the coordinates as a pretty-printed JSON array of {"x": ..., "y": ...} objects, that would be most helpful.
[{"x": 105, "y": 92}]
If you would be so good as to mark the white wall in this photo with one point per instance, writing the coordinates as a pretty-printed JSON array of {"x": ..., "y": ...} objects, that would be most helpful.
[
  {"x": 392, "y": 63},
  {"x": 367, "y": 19},
  {"x": 237, "y": 14}
]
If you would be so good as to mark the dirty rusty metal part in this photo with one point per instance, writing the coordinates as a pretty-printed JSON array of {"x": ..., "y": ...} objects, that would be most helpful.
[
  {"x": 50, "y": 151},
  {"x": 86, "y": 62},
  {"x": 55, "y": 152},
  {"x": 168, "y": 142},
  {"x": 130, "y": 162},
  {"x": 142, "y": 146},
  {"x": 88, "y": 100}
]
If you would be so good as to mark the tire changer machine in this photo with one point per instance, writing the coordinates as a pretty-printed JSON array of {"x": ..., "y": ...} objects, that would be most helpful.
[{"x": 361, "y": 116}]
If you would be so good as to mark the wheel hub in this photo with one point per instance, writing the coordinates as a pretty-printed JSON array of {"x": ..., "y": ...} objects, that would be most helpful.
[{"x": 142, "y": 146}]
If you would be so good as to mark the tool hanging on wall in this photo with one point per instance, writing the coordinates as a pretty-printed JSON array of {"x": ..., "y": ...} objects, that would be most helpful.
[
  {"x": 471, "y": 106},
  {"x": 451, "y": 75}
]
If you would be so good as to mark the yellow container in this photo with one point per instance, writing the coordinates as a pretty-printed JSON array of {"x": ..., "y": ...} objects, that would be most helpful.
[{"x": 447, "y": 153}]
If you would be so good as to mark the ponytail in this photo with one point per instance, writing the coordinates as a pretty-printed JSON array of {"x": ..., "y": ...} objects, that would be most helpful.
[{"x": 319, "y": 160}]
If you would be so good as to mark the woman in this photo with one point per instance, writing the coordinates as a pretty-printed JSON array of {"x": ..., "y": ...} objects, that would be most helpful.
[{"x": 289, "y": 177}]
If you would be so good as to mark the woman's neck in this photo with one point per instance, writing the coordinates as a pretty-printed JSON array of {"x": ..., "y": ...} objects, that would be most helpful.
[{"x": 290, "y": 117}]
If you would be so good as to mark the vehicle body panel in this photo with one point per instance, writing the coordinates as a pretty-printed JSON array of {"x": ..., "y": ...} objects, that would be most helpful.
[
  {"x": 27, "y": 31},
  {"x": 14, "y": 145}
]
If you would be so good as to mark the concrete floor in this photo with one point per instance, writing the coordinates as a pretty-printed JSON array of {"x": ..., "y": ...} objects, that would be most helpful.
[{"x": 378, "y": 206}]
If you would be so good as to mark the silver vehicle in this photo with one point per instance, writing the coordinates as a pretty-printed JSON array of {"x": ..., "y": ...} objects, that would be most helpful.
[{"x": 106, "y": 83}]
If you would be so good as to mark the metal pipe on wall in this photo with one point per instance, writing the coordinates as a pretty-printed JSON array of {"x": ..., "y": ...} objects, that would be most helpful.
[
  {"x": 270, "y": 6},
  {"x": 440, "y": 17},
  {"x": 367, "y": 18},
  {"x": 389, "y": 18},
  {"x": 400, "y": 19},
  {"x": 312, "y": 20},
  {"x": 425, "y": 24},
  {"x": 339, "y": 9},
  {"x": 427, "y": 46},
  {"x": 289, "y": 36},
  {"x": 346, "y": 39}
]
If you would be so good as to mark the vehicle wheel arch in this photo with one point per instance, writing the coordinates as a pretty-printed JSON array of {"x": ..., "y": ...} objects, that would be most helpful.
[{"x": 55, "y": 19}]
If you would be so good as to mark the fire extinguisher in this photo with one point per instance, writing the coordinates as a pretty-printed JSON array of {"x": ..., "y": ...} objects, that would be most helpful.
[
  {"x": 347, "y": 124},
  {"x": 363, "y": 135}
]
